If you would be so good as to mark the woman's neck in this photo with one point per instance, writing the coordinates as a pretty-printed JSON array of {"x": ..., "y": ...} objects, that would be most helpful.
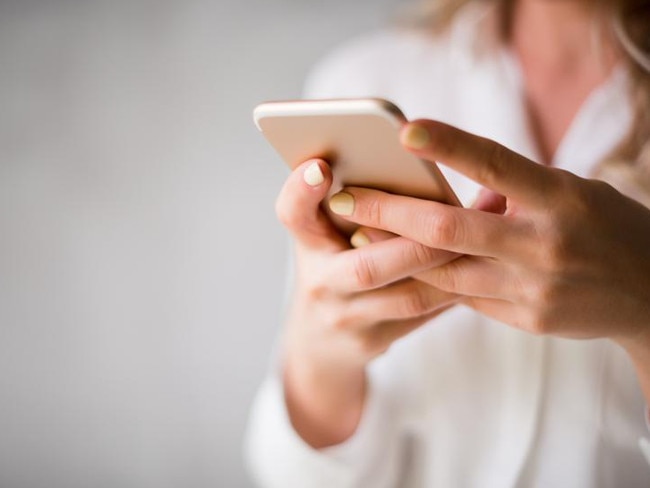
[
  {"x": 561, "y": 36},
  {"x": 565, "y": 52}
]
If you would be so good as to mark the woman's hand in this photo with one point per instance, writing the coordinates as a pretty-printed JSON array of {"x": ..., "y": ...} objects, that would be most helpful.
[
  {"x": 568, "y": 256},
  {"x": 348, "y": 306}
]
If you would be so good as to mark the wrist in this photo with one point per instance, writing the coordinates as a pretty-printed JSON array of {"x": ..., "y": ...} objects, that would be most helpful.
[
  {"x": 323, "y": 379},
  {"x": 637, "y": 347},
  {"x": 324, "y": 400}
]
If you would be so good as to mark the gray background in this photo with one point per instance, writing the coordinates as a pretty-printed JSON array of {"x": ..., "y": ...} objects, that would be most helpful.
[{"x": 141, "y": 266}]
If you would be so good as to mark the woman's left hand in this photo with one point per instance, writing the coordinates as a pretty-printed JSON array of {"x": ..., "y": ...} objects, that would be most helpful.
[{"x": 568, "y": 256}]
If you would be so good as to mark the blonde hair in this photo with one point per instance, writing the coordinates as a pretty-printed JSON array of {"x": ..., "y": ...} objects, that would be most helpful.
[{"x": 627, "y": 167}]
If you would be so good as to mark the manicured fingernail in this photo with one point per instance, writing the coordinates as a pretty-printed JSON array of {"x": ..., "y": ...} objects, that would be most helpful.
[
  {"x": 359, "y": 239},
  {"x": 415, "y": 136},
  {"x": 342, "y": 203},
  {"x": 313, "y": 175}
]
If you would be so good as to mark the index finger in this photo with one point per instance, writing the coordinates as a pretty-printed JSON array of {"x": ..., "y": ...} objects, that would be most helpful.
[
  {"x": 436, "y": 225},
  {"x": 483, "y": 160}
]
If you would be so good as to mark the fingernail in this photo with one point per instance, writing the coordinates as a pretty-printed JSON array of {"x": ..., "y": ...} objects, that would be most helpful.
[
  {"x": 342, "y": 203},
  {"x": 415, "y": 136},
  {"x": 313, "y": 175},
  {"x": 359, "y": 239}
]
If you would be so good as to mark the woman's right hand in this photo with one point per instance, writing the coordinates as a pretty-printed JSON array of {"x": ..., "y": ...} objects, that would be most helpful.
[{"x": 348, "y": 306}]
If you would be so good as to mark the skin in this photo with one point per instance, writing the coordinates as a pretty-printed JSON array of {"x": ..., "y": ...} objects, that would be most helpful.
[
  {"x": 532, "y": 266},
  {"x": 561, "y": 72},
  {"x": 518, "y": 255},
  {"x": 345, "y": 312}
]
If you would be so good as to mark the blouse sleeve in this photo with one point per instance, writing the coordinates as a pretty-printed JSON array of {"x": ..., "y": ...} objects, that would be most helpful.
[{"x": 278, "y": 457}]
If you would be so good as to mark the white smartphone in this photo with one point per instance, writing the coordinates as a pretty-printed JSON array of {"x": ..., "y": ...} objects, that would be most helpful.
[{"x": 359, "y": 138}]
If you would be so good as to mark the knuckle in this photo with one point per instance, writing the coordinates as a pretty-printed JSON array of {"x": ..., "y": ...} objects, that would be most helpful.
[
  {"x": 556, "y": 184},
  {"x": 564, "y": 180},
  {"x": 341, "y": 322},
  {"x": 550, "y": 293},
  {"x": 531, "y": 291},
  {"x": 365, "y": 272},
  {"x": 421, "y": 255},
  {"x": 589, "y": 196},
  {"x": 331, "y": 310},
  {"x": 371, "y": 343},
  {"x": 522, "y": 288},
  {"x": 287, "y": 214},
  {"x": 555, "y": 241},
  {"x": 543, "y": 317},
  {"x": 281, "y": 209},
  {"x": 575, "y": 195},
  {"x": 581, "y": 200},
  {"x": 314, "y": 280},
  {"x": 415, "y": 303},
  {"x": 347, "y": 317},
  {"x": 317, "y": 292},
  {"x": 556, "y": 249},
  {"x": 535, "y": 325},
  {"x": 539, "y": 323},
  {"x": 579, "y": 197},
  {"x": 442, "y": 227},
  {"x": 447, "y": 279},
  {"x": 603, "y": 188},
  {"x": 558, "y": 243},
  {"x": 492, "y": 171},
  {"x": 538, "y": 293},
  {"x": 373, "y": 212}
]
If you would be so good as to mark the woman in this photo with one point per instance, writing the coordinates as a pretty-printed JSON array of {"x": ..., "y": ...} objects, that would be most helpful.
[{"x": 468, "y": 400}]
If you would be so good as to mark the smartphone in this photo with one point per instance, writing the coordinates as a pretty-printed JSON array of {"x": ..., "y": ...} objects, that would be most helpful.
[{"x": 359, "y": 138}]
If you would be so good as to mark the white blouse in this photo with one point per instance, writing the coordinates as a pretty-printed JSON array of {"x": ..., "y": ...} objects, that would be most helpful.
[{"x": 466, "y": 401}]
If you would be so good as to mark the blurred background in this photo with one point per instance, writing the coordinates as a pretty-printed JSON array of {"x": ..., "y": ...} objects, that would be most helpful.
[{"x": 141, "y": 265}]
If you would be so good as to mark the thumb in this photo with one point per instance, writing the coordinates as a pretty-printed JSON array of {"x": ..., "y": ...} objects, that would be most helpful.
[{"x": 298, "y": 207}]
